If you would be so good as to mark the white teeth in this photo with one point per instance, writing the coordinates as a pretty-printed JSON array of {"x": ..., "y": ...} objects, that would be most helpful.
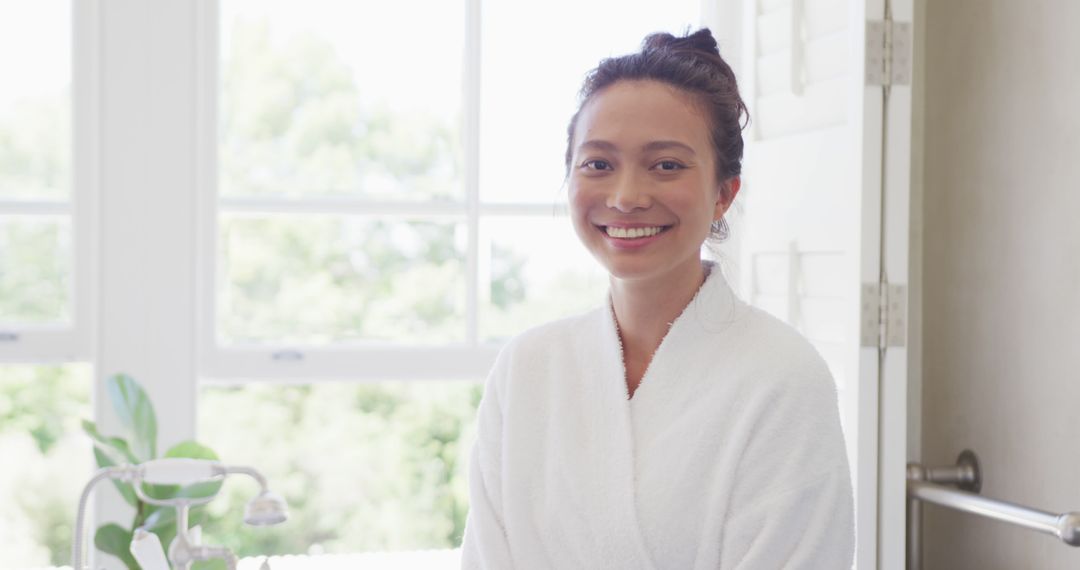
[{"x": 632, "y": 233}]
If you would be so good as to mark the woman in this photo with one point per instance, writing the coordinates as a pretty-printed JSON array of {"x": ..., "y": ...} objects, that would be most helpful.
[{"x": 675, "y": 427}]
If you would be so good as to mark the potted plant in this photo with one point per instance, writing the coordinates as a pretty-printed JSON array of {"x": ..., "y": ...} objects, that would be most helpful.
[{"x": 139, "y": 444}]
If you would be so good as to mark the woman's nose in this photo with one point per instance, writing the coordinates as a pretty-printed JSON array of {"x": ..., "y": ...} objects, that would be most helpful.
[{"x": 629, "y": 194}]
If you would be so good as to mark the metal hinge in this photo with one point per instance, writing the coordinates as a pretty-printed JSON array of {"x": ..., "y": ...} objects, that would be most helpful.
[
  {"x": 882, "y": 319},
  {"x": 888, "y": 53}
]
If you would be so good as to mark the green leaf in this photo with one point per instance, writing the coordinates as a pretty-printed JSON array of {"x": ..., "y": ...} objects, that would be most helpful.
[
  {"x": 161, "y": 491},
  {"x": 216, "y": 564},
  {"x": 135, "y": 412},
  {"x": 116, "y": 448},
  {"x": 126, "y": 490},
  {"x": 192, "y": 450},
  {"x": 199, "y": 516},
  {"x": 116, "y": 540},
  {"x": 160, "y": 518},
  {"x": 195, "y": 450}
]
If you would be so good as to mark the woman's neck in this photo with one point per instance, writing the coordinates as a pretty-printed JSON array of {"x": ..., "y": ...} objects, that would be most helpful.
[{"x": 646, "y": 308}]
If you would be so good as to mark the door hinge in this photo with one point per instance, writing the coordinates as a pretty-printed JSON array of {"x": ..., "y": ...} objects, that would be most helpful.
[
  {"x": 883, "y": 315},
  {"x": 888, "y": 53}
]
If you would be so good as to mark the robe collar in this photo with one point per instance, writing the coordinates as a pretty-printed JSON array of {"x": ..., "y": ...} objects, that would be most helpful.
[{"x": 712, "y": 309}]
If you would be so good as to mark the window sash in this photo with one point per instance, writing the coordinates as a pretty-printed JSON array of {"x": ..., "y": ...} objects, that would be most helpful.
[
  {"x": 361, "y": 361},
  {"x": 72, "y": 341}
]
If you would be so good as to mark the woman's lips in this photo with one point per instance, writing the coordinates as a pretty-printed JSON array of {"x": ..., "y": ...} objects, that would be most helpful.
[{"x": 632, "y": 236}]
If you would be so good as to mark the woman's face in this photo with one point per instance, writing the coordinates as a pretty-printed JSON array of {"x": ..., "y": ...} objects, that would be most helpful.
[{"x": 643, "y": 188}]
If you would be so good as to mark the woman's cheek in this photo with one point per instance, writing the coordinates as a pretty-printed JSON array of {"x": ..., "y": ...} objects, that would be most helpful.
[
  {"x": 579, "y": 199},
  {"x": 578, "y": 210}
]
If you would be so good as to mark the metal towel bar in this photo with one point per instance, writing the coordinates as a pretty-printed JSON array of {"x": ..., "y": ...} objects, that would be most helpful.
[{"x": 925, "y": 484}]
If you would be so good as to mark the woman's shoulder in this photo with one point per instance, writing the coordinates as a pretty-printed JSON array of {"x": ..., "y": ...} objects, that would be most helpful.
[{"x": 769, "y": 348}]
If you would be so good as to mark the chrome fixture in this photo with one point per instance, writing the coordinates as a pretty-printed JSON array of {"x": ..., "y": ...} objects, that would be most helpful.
[
  {"x": 927, "y": 484},
  {"x": 266, "y": 508}
]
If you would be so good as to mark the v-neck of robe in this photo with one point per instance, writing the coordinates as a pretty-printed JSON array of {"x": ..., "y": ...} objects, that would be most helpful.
[
  {"x": 712, "y": 273},
  {"x": 664, "y": 367}
]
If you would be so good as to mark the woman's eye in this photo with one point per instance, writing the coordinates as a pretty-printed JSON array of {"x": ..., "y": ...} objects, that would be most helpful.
[
  {"x": 597, "y": 164},
  {"x": 668, "y": 165}
]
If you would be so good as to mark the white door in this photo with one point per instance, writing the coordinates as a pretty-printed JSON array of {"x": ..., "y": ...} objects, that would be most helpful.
[{"x": 813, "y": 236}]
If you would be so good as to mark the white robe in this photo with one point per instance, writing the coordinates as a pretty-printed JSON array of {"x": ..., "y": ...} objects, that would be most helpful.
[{"x": 729, "y": 455}]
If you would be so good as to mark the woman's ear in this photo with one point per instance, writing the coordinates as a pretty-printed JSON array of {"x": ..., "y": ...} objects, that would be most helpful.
[{"x": 726, "y": 195}]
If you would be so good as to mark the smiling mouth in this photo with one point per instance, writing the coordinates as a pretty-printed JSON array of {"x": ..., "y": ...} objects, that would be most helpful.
[{"x": 632, "y": 233}]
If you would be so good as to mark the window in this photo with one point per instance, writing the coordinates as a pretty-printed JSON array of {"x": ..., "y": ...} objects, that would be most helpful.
[{"x": 42, "y": 289}]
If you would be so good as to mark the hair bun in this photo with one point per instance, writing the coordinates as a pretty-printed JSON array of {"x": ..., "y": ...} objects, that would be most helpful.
[{"x": 701, "y": 40}]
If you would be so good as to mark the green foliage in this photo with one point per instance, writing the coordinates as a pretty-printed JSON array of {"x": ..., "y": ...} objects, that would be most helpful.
[
  {"x": 116, "y": 540},
  {"x": 38, "y": 403},
  {"x": 507, "y": 286},
  {"x": 136, "y": 414},
  {"x": 35, "y": 270},
  {"x": 320, "y": 279},
  {"x": 105, "y": 459},
  {"x": 297, "y": 120},
  {"x": 35, "y": 148},
  {"x": 294, "y": 120},
  {"x": 35, "y": 163},
  {"x": 132, "y": 407},
  {"x": 364, "y": 467},
  {"x": 40, "y": 408}
]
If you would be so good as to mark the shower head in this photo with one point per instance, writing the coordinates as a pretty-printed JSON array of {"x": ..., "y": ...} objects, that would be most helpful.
[{"x": 266, "y": 509}]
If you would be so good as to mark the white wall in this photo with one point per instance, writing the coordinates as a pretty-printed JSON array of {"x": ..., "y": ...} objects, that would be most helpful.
[{"x": 1001, "y": 352}]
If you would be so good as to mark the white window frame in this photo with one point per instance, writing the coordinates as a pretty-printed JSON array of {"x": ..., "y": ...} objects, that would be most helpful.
[
  {"x": 69, "y": 342},
  {"x": 469, "y": 360}
]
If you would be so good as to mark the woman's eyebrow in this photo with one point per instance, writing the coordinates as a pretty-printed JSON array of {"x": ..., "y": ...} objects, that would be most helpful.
[
  {"x": 652, "y": 146},
  {"x": 598, "y": 145},
  {"x": 664, "y": 145}
]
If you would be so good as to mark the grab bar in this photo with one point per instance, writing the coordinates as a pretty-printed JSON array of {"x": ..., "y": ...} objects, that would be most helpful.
[{"x": 925, "y": 484}]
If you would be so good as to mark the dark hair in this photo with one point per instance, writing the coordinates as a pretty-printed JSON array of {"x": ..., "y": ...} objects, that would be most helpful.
[{"x": 693, "y": 64}]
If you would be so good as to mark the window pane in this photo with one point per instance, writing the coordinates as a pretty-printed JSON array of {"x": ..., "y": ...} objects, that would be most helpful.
[
  {"x": 329, "y": 98},
  {"x": 537, "y": 271},
  {"x": 363, "y": 467},
  {"x": 325, "y": 279},
  {"x": 35, "y": 104},
  {"x": 47, "y": 461},
  {"x": 35, "y": 269},
  {"x": 531, "y": 77}
]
